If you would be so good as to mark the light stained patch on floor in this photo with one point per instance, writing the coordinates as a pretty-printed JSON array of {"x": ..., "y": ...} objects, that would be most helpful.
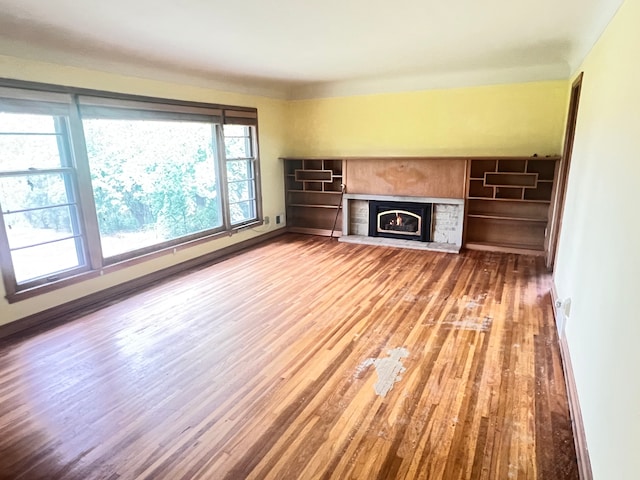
[
  {"x": 476, "y": 302},
  {"x": 389, "y": 369},
  {"x": 474, "y": 324}
]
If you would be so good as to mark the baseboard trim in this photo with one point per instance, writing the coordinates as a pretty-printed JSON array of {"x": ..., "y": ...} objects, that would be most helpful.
[
  {"x": 81, "y": 306},
  {"x": 579, "y": 437}
]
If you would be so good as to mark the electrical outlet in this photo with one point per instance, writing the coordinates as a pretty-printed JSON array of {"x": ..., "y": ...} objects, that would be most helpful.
[
  {"x": 278, "y": 220},
  {"x": 266, "y": 220}
]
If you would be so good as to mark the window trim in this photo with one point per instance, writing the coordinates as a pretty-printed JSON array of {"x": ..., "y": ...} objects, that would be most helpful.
[
  {"x": 231, "y": 114},
  {"x": 73, "y": 100}
]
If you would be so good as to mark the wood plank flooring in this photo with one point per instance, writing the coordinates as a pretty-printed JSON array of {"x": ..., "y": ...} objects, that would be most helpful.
[{"x": 274, "y": 365}]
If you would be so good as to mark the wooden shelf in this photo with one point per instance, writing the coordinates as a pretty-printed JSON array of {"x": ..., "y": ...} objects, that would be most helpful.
[
  {"x": 519, "y": 248},
  {"x": 316, "y": 231},
  {"x": 313, "y": 175},
  {"x": 515, "y": 200},
  {"x": 495, "y": 179},
  {"x": 507, "y": 217},
  {"x": 326, "y": 192},
  {"x": 507, "y": 203},
  {"x": 309, "y": 205}
]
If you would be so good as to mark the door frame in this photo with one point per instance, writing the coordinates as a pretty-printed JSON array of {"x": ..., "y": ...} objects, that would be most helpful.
[{"x": 555, "y": 224}]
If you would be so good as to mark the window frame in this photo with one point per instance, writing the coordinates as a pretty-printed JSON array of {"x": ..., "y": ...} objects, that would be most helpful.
[
  {"x": 95, "y": 263},
  {"x": 60, "y": 112},
  {"x": 117, "y": 113},
  {"x": 252, "y": 160}
]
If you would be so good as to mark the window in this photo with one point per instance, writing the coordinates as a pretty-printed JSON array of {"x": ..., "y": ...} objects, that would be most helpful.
[
  {"x": 90, "y": 180},
  {"x": 241, "y": 182},
  {"x": 153, "y": 181},
  {"x": 41, "y": 226}
]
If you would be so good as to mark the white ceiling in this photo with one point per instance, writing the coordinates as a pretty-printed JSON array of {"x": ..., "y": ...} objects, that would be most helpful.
[{"x": 307, "y": 48}]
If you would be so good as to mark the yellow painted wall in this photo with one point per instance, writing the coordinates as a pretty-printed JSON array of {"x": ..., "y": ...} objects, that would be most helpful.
[
  {"x": 271, "y": 117},
  {"x": 598, "y": 264},
  {"x": 517, "y": 119}
]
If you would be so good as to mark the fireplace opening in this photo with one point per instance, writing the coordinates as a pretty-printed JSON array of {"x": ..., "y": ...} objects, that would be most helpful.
[{"x": 403, "y": 220}]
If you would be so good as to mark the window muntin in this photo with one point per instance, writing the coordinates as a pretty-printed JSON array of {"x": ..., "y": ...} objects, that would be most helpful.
[
  {"x": 38, "y": 199},
  {"x": 153, "y": 181}
]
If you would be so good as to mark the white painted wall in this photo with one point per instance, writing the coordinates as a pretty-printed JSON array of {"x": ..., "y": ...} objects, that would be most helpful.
[{"x": 598, "y": 263}]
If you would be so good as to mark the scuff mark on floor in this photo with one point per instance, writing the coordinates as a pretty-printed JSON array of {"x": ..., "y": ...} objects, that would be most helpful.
[
  {"x": 476, "y": 302},
  {"x": 471, "y": 305},
  {"x": 389, "y": 369},
  {"x": 472, "y": 323}
]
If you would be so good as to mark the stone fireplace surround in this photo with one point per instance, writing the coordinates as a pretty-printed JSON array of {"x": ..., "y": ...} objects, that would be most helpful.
[{"x": 446, "y": 223}]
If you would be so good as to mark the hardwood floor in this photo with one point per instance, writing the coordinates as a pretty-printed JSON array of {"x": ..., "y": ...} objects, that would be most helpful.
[{"x": 304, "y": 358}]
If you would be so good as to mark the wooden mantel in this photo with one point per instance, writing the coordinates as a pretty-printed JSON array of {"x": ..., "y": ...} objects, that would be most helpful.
[{"x": 408, "y": 176}]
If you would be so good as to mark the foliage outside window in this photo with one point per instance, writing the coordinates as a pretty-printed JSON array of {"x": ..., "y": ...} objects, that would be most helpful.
[
  {"x": 169, "y": 191},
  {"x": 86, "y": 181}
]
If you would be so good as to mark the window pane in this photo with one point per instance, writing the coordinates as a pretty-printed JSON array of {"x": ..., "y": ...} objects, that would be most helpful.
[
  {"x": 236, "y": 131},
  {"x": 26, "y": 123},
  {"x": 32, "y": 191},
  {"x": 45, "y": 260},
  {"x": 243, "y": 211},
  {"x": 38, "y": 226},
  {"x": 237, "y": 141},
  {"x": 239, "y": 170},
  {"x": 22, "y": 152},
  {"x": 153, "y": 181},
  {"x": 239, "y": 191}
]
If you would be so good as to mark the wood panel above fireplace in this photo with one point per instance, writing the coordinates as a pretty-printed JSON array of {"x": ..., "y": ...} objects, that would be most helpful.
[{"x": 416, "y": 177}]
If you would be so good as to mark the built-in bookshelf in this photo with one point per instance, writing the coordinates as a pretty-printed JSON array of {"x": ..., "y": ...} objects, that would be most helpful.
[
  {"x": 508, "y": 202},
  {"x": 313, "y": 188}
]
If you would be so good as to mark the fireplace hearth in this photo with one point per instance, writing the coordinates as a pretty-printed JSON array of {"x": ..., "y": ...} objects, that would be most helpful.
[{"x": 400, "y": 220}]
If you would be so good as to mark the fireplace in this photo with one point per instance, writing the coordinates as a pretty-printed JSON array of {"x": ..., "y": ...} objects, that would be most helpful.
[{"x": 401, "y": 220}]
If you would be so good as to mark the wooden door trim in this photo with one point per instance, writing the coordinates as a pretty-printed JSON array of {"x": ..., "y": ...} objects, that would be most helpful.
[{"x": 555, "y": 226}]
